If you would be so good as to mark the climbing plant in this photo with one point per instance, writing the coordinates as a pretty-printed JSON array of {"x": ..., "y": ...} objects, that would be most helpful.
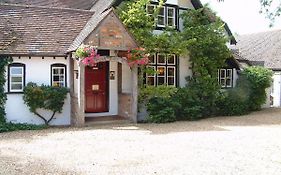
[
  {"x": 208, "y": 52},
  {"x": 4, "y": 61},
  {"x": 44, "y": 97}
]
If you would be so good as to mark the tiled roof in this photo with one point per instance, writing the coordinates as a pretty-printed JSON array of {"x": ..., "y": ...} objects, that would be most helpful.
[
  {"x": 39, "y": 30},
  {"x": 261, "y": 48},
  {"x": 75, "y": 4}
]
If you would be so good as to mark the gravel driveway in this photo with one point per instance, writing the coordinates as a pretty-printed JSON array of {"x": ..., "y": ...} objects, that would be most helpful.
[{"x": 226, "y": 145}]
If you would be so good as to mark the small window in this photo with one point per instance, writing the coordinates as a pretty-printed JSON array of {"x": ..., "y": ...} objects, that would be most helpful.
[
  {"x": 171, "y": 16},
  {"x": 58, "y": 75},
  {"x": 225, "y": 77},
  {"x": 161, "y": 17},
  {"x": 16, "y": 77}
]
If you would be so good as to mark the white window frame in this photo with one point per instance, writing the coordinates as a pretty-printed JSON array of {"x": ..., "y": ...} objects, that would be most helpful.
[
  {"x": 228, "y": 75},
  {"x": 16, "y": 75},
  {"x": 161, "y": 76},
  {"x": 171, "y": 17},
  {"x": 64, "y": 76},
  {"x": 169, "y": 76},
  {"x": 162, "y": 16},
  {"x": 149, "y": 76},
  {"x": 174, "y": 59},
  {"x": 165, "y": 59}
]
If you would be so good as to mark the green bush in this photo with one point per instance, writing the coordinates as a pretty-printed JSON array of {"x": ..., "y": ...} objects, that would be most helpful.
[
  {"x": 233, "y": 102},
  {"x": 161, "y": 110},
  {"x": 258, "y": 79},
  {"x": 148, "y": 92},
  {"x": 8, "y": 127},
  {"x": 44, "y": 97}
]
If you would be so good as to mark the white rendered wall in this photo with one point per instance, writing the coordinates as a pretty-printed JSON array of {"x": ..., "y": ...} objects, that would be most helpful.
[
  {"x": 184, "y": 70},
  {"x": 113, "y": 94},
  {"x": 126, "y": 79},
  {"x": 38, "y": 70},
  {"x": 276, "y": 89}
]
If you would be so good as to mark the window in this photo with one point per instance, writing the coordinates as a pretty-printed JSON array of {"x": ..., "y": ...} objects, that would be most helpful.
[
  {"x": 165, "y": 68},
  {"x": 225, "y": 77},
  {"x": 58, "y": 75},
  {"x": 171, "y": 15},
  {"x": 16, "y": 76},
  {"x": 166, "y": 15}
]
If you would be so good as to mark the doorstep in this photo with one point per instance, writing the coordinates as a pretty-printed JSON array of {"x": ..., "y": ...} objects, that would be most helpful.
[{"x": 90, "y": 121}]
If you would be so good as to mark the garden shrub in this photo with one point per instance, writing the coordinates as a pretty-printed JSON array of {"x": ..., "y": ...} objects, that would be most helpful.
[
  {"x": 44, "y": 97},
  {"x": 161, "y": 110},
  {"x": 148, "y": 92},
  {"x": 259, "y": 79},
  {"x": 8, "y": 127},
  {"x": 190, "y": 107},
  {"x": 233, "y": 102},
  {"x": 158, "y": 102}
]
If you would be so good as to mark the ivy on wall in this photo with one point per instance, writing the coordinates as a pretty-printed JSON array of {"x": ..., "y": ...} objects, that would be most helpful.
[{"x": 4, "y": 61}]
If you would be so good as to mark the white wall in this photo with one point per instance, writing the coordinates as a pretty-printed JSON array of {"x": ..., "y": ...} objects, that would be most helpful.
[
  {"x": 184, "y": 70},
  {"x": 38, "y": 70},
  {"x": 276, "y": 89},
  {"x": 126, "y": 79}
]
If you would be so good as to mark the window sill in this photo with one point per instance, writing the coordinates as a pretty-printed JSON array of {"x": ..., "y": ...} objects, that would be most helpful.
[{"x": 13, "y": 92}]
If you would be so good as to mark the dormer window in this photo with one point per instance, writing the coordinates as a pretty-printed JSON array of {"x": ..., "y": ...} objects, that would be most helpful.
[{"x": 166, "y": 15}]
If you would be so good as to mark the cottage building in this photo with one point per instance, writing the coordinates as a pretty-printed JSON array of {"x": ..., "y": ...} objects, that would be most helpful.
[{"x": 41, "y": 37}]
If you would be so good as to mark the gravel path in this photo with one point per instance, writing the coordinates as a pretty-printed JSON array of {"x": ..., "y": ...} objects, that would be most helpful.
[{"x": 226, "y": 145}]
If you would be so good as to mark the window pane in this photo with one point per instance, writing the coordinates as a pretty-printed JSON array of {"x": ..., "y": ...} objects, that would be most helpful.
[
  {"x": 170, "y": 22},
  {"x": 16, "y": 70},
  {"x": 222, "y": 82},
  {"x": 16, "y": 86},
  {"x": 55, "y": 71},
  {"x": 161, "y": 59},
  {"x": 223, "y": 73},
  {"x": 228, "y": 83},
  {"x": 161, "y": 11},
  {"x": 16, "y": 79},
  {"x": 170, "y": 12},
  {"x": 150, "y": 81},
  {"x": 151, "y": 59},
  {"x": 161, "y": 20},
  {"x": 171, "y": 81},
  {"x": 61, "y": 78},
  {"x": 61, "y": 71},
  {"x": 161, "y": 80},
  {"x": 161, "y": 71},
  {"x": 150, "y": 9},
  {"x": 56, "y": 78},
  {"x": 171, "y": 71},
  {"x": 171, "y": 59}
]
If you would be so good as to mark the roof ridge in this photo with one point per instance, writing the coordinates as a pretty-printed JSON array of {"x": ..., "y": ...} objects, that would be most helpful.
[
  {"x": 262, "y": 32},
  {"x": 45, "y": 7}
]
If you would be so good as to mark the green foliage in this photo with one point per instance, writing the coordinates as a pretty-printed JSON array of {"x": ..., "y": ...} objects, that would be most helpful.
[
  {"x": 44, "y": 97},
  {"x": 141, "y": 25},
  {"x": 156, "y": 98},
  {"x": 248, "y": 95},
  {"x": 161, "y": 110},
  {"x": 148, "y": 92},
  {"x": 271, "y": 10},
  {"x": 4, "y": 61},
  {"x": 190, "y": 106},
  {"x": 208, "y": 52},
  {"x": 233, "y": 102},
  {"x": 8, "y": 127},
  {"x": 259, "y": 79}
]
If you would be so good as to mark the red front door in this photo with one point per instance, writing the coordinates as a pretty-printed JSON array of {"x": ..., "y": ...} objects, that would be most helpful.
[{"x": 96, "y": 88}]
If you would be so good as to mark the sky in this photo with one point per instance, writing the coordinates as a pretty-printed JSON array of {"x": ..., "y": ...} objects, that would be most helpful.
[{"x": 242, "y": 16}]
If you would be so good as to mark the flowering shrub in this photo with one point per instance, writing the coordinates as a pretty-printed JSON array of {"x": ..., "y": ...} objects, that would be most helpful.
[
  {"x": 137, "y": 57},
  {"x": 88, "y": 55}
]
